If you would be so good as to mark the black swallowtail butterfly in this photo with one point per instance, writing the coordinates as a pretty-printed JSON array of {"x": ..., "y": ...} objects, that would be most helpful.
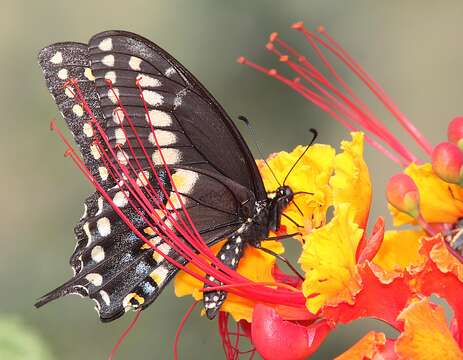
[{"x": 169, "y": 131}]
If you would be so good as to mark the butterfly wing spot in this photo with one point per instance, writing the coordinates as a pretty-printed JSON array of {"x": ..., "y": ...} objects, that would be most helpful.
[
  {"x": 97, "y": 254},
  {"x": 113, "y": 95},
  {"x": 121, "y": 199},
  {"x": 122, "y": 157},
  {"x": 104, "y": 226},
  {"x": 100, "y": 206},
  {"x": 57, "y": 58},
  {"x": 158, "y": 118},
  {"x": 153, "y": 98},
  {"x": 103, "y": 171},
  {"x": 111, "y": 76},
  {"x": 69, "y": 93},
  {"x": 78, "y": 110},
  {"x": 95, "y": 279},
  {"x": 120, "y": 136},
  {"x": 106, "y": 44},
  {"x": 185, "y": 180},
  {"x": 147, "y": 81},
  {"x": 143, "y": 178},
  {"x": 86, "y": 228},
  {"x": 164, "y": 248},
  {"x": 169, "y": 71},
  {"x": 88, "y": 130},
  {"x": 89, "y": 74},
  {"x": 159, "y": 274},
  {"x": 163, "y": 138},
  {"x": 105, "y": 297},
  {"x": 63, "y": 74},
  {"x": 108, "y": 60},
  {"x": 118, "y": 115},
  {"x": 171, "y": 157},
  {"x": 134, "y": 63},
  {"x": 132, "y": 301},
  {"x": 155, "y": 241}
]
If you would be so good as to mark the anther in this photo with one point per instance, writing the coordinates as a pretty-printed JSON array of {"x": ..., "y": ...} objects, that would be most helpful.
[
  {"x": 298, "y": 26},
  {"x": 273, "y": 36}
]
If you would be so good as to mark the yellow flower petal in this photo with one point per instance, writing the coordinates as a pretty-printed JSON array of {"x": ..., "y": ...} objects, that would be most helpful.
[
  {"x": 351, "y": 182},
  {"x": 399, "y": 250},
  {"x": 311, "y": 174},
  {"x": 426, "y": 335},
  {"x": 255, "y": 265},
  {"x": 328, "y": 259},
  {"x": 366, "y": 348},
  {"x": 437, "y": 198}
]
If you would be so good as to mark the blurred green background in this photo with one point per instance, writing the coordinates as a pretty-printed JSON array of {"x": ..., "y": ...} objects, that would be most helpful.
[{"x": 413, "y": 48}]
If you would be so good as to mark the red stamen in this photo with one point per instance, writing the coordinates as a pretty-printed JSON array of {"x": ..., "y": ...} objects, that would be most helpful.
[
  {"x": 124, "y": 334},
  {"x": 181, "y": 326}
]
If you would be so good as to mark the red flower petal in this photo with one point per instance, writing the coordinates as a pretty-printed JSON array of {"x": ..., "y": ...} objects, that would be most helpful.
[{"x": 278, "y": 339}]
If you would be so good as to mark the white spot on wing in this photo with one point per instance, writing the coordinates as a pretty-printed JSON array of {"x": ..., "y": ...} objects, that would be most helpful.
[
  {"x": 69, "y": 93},
  {"x": 88, "y": 129},
  {"x": 122, "y": 157},
  {"x": 113, "y": 95},
  {"x": 111, "y": 75},
  {"x": 169, "y": 71},
  {"x": 153, "y": 98},
  {"x": 120, "y": 136},
  {"x": 171, "y": 156},
  {"x": 97, "y": 254},
  {"x": 95, "y": 151},
  {"x": 106, "y": 44},
  {"x": 163, "y": 137},
  {"x": 120, "y": 199},
  {"x": 86, "y": 229},
  {"x": 158, "y": 118},
  {"x": 104, "y": 226},
  {"x": 179, "y": 98},
  {"x": 100, "y": 206},
  {"x": 184, "y": 180},
  {"x": 57, "y": 58},
  {"x": 95, "y": 279},
  {"x": 135, "y": 63},
  {"x": 63, "y": 74},
  {"x": 143, "y": 177},
  {"x": 103, "y": 172},
  {"x": 77, "y": 110},
  {"x": 88, "y": 74},
  {"x": 84, "y": 215},
  {"x": 118, "y": 115},
  {"x": 147, "y": 81},
  {"x": 108, "y": 60},
  {"x": 105, "y": 297}
]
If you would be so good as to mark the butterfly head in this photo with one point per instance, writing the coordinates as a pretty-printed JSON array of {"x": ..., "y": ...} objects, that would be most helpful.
[{"x": 284, "y": 195}]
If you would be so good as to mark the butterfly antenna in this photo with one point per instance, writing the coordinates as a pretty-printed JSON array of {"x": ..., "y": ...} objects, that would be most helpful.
[
  {"x": 251, "y": 129},
  {"x": 314, "y": 136}
]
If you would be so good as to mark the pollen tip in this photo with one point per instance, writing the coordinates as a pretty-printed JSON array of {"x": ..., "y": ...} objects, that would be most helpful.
[
  {"x": 273, "y": 36},
  {"x": 284, "y": 58},
  {"x": 241, "y": 60},
  {"x": 297, "y": 79},
  {"x": 269, "y": 46},
  {"x": 67, "y": 153},
  {"x": 52, "y": 125},
  {"x": 108, "y": 82},
  {"x": 298, "y": 25},
  {"x": 272, "y": 72},
  {"x": 321, "y": 29}
]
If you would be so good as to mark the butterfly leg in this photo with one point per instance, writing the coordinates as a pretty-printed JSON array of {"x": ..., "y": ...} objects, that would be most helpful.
[{"x": 229, "y": 255}]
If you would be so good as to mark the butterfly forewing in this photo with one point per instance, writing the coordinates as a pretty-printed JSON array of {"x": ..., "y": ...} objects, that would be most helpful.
[{"x": 134, "y": 88}]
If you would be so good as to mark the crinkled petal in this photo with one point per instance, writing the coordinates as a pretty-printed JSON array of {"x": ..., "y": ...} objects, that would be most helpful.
[
  {"x": 440, "y": 202},
  {"x": 444, "y": 283},
  {"x": 400, "y": 251},
  {"x": 255, "y": 265},
  {"x": 377, "y": 298},
  {"x": 311, "y": 174},
  {"x": 351, "y": 183},
  {"x": 366, "y": 348},
  {"x": 328, "y": 259},
  {"x": 426, "y": 335}
]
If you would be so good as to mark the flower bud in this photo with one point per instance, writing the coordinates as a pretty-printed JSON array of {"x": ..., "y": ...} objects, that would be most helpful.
[
  {"x": 447, "y": 162},
  {"x": 403, "y": 194},
  {"x": 455, "y": 131}
]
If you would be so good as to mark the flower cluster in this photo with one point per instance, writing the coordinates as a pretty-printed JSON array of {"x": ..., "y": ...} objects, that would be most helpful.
[{"x": 350, "y": 272}]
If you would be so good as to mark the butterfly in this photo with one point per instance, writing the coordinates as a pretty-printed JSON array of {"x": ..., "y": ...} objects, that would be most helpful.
[{"x": 154, "y": 142}]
